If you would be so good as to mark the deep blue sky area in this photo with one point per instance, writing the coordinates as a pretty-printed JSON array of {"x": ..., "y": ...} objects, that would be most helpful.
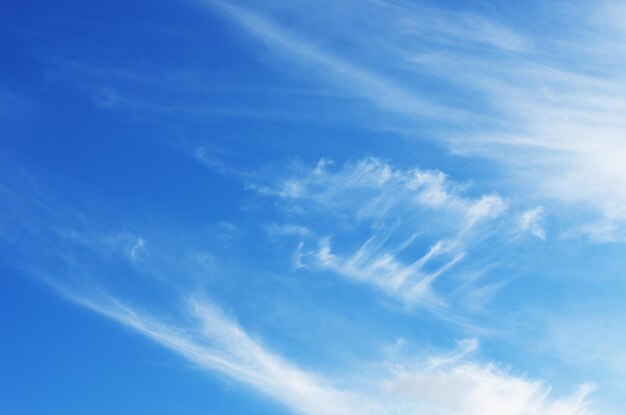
[{"x": 384, "y": 207}]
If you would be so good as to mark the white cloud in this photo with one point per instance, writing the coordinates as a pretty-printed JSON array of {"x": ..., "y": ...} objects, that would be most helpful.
[
  {"x": 550, "y": 104},
  {"x": 201, "y": 333},
  {"x": 531, "y": 221},
  {"x": 456, "y": 27},
  {"x": 377, "y": 188},
  {"x": 137, "y": 249},
  {"x": 298, "y": 257},
  {"x": 288, "y": 229},
  {"x": 425, "y": 205},
  {"x": 373, "y": 264},
  {"x": 564, "y": 141},
  {"x": 474, "y": 389},
  {"x": 359, "y": 80},
  {"x": 210, "y": 161},
  {"x": 133, "y": 246},
  {"x": 448, "y": 384},
  {"x": 212, "y": 341}
]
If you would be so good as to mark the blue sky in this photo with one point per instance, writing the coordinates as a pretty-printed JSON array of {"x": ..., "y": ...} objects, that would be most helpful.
[{"x": 354, "y": 207}]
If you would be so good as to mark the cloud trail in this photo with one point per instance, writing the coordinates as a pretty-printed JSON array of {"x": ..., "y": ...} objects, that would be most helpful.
[
  {"x": 214, "y": 342},
  {"x": 207, "y": 338},
  {"x": 413, "y": 227},
  {"x": 202, "y": 334},
  {"x": 537, "y": 104},
  {"x": 361, "y": 81}
]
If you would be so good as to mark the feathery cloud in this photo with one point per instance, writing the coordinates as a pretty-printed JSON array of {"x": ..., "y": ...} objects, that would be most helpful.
[
  {"x": 443, "y": 385},
  {"x": 435, "y": 224}
]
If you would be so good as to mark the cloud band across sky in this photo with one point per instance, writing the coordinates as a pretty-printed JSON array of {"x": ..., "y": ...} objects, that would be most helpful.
[{"x": 354, "y": 207}]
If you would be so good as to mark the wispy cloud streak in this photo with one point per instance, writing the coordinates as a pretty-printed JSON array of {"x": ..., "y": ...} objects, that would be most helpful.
[
  {"x": 205, "y": 336},
  {"x": 435, "y": 223},
  {"x": 359, "y": 80},
  {"x": 212, "y": 341},
  {"x": 537, "y": 104}
]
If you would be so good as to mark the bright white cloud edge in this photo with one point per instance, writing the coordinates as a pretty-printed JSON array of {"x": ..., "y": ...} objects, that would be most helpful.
[{"x": 448, "y": 384}]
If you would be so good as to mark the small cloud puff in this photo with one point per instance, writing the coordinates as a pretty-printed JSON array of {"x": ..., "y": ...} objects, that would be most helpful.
[
  {"x": 531, "y": 221},
  {"x": 132, "y": 246}
]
